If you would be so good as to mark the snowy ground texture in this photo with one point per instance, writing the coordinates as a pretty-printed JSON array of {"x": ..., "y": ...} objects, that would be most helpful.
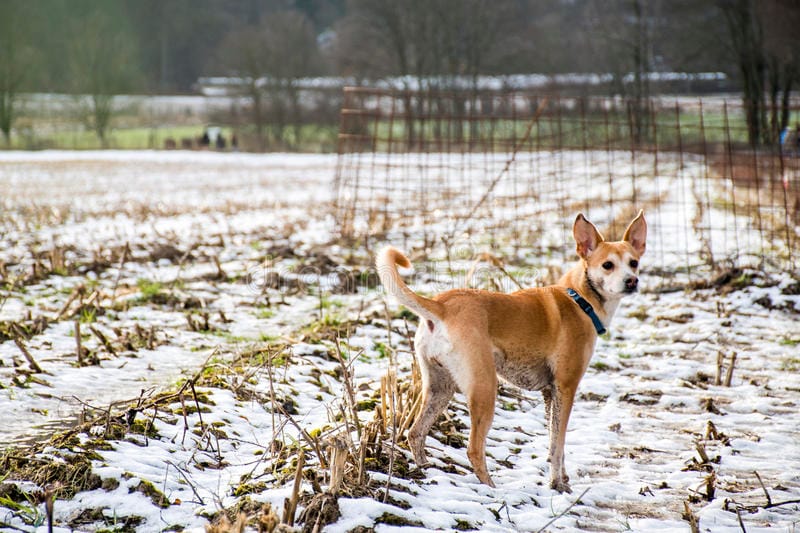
[{"x": 223, "y": 330}]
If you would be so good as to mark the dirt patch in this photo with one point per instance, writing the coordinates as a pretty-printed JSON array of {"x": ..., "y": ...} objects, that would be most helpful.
[
  {"x": 647, "y": 397},
  {"x": 321, "y": 509}
]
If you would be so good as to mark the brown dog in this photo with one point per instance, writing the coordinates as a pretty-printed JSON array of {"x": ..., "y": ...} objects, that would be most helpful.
[{"x": 538, "y": 339}]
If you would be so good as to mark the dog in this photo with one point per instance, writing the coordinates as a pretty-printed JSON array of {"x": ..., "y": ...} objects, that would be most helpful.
[{"x": 537, "y": 339}]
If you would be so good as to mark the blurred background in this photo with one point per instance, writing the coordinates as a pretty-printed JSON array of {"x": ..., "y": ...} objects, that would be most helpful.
[{"x": 267, "y": 75}]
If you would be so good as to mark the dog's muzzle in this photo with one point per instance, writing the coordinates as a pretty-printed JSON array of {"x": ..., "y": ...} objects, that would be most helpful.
[{"x": 631, "y": 284}]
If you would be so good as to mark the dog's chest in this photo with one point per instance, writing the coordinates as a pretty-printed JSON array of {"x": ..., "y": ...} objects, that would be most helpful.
[{"x": 531, "y": 372}]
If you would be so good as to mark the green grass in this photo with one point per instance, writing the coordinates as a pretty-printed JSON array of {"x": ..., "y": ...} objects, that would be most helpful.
[
  {"x": 129, "y": 138},
  {"x": 601, "y": 366},
  {"x": 88, "y": 315},
  {"x": 382, "y": 349},
  {"x": 325, "y": 302},
  {"x": 567, "y": 129},
  {"x": 265, "y": 313},
  {"x": 28, "y": 512},
  {"x": 73, "y": 136},
  {"x": 571, "y": 130},
  {"x": 148, "y": 288}
]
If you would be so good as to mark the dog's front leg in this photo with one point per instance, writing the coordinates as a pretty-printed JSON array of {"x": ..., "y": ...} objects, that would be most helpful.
[{"x": 561, "y": 406}]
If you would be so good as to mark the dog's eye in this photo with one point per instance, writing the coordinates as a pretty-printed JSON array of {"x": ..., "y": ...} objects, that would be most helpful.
[
  {"x": 634, "y": 263},
  {"x": 608, "y": 265}
]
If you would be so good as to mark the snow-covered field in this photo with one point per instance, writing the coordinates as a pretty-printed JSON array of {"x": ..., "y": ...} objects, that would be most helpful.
[{"x": 214, "y": 302}]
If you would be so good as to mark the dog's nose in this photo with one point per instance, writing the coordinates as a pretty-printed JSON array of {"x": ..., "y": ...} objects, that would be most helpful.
[{"x": 631, "y": 283}]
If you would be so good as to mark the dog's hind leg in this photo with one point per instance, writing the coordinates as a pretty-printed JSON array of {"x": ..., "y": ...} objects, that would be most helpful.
[
  {"x": 437, "y": 390},
  {"x": 547, "y": 396},
  {"x": 481, "y": 400},
  {"x": 476, "y": 377}
]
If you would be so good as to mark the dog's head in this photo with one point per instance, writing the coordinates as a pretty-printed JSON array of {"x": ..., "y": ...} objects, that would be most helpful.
[{"x": 612, "y": 268}]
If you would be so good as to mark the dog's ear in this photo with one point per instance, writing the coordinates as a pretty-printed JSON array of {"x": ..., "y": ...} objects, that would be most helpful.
[
  {"x": 586, "y": 236},
  {"x": 636, "y": 234}
]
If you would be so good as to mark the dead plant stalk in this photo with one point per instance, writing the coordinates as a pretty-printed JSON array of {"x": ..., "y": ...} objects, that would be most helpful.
[
  {"x": 78, "y": 342},
  {"x": 290, "y": 506},
  {"x": 347, "y": 377},
  {"x": 31, "y": 361}
]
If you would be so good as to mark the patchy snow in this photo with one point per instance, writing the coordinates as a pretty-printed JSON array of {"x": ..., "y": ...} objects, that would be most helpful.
[{"x": 643, "y": 407}]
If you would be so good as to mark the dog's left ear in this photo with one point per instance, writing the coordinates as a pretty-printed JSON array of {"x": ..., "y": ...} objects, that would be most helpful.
[
  {"x": 586, "y": 236},
  {"x": 636, "y": 234}
]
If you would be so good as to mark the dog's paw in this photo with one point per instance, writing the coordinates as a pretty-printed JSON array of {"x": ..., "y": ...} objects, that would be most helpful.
[
  {"x": 420, "y": 458},
  {"x": 484, "y": 478},
  {"x": 423, "y": 464},
  {"x": 561, "y": 485},
  {"x": 418, "y": 452}
]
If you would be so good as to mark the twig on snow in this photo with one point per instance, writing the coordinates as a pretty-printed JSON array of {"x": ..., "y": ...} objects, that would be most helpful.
[
  {"x": 290, "y": 505},
  {"x": 739, "y": 518},
  {"x": 565, "y": 511},
  {"x": 103, "y": 340},
  {"x": 766, "y": 492},
  {"x": 185, "y": 477},
  {"x": 31, "y": 361},
  {"x": 689, "y": 516},
  {"x": 122, "y": 260}
]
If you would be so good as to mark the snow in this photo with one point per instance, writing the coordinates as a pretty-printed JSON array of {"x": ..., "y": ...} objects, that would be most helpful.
[
  {"x": 215, "y": 85},
  {"x": 641, "y": 409}
]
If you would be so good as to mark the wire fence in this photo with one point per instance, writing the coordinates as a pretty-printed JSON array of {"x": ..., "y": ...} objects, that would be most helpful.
[{"x": 510, "y": 170}]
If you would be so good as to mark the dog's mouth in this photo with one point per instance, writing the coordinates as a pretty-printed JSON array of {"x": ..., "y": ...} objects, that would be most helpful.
[{"x": 630, "y": 290}]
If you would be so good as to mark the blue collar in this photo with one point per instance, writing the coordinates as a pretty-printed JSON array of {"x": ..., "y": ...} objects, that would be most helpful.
[{"x": 588, "y": 309}]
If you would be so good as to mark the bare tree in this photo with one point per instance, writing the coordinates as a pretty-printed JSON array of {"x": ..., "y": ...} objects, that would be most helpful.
[
  {"x": 747, "y": 42},
  {"x": 432, "y": 45},
  {"x": 269, "y": 59},
  {"x": 291, "y": 50},
  {"x": 781, "y": 20},
  {"x": 102, "y": 65},
  {"x": 379, "y": 38},
  {"x": 17, "y": 60},
  {"x": 241, "y": 53},
  {"x": 764, "y": 39},
  {"x": 432, "y": 41},
  {"x": 623, "y": 33}
]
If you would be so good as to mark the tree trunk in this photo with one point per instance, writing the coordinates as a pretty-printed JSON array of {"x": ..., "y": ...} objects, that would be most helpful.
[
  {"x": 785, "y": 103},
  {"x": 258, "y": 114},
  {"x": 774, "y": 90},
  {"x": 6, "y": 114},
  {"x": 102, "y": 110},
  {"x": 746, "y": 37},
  {"x": 294, "y": 98}
]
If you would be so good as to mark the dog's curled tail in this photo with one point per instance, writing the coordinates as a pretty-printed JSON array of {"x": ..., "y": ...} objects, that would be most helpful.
[{"x": 386, "y": 262}]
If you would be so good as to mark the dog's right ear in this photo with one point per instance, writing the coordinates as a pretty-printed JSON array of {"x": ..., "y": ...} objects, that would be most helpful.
[
  {"x": 586, "y": 236},
  {"x": 636, "y": 234}
]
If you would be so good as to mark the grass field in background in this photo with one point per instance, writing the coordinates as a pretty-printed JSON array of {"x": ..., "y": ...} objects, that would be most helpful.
[
  {"x": 313, "y": 138},
  {"x": 133, "y": 128}
]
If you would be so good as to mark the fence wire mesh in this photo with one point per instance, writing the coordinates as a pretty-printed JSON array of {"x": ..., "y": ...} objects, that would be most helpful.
[{"x": 509, "y": 171}]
